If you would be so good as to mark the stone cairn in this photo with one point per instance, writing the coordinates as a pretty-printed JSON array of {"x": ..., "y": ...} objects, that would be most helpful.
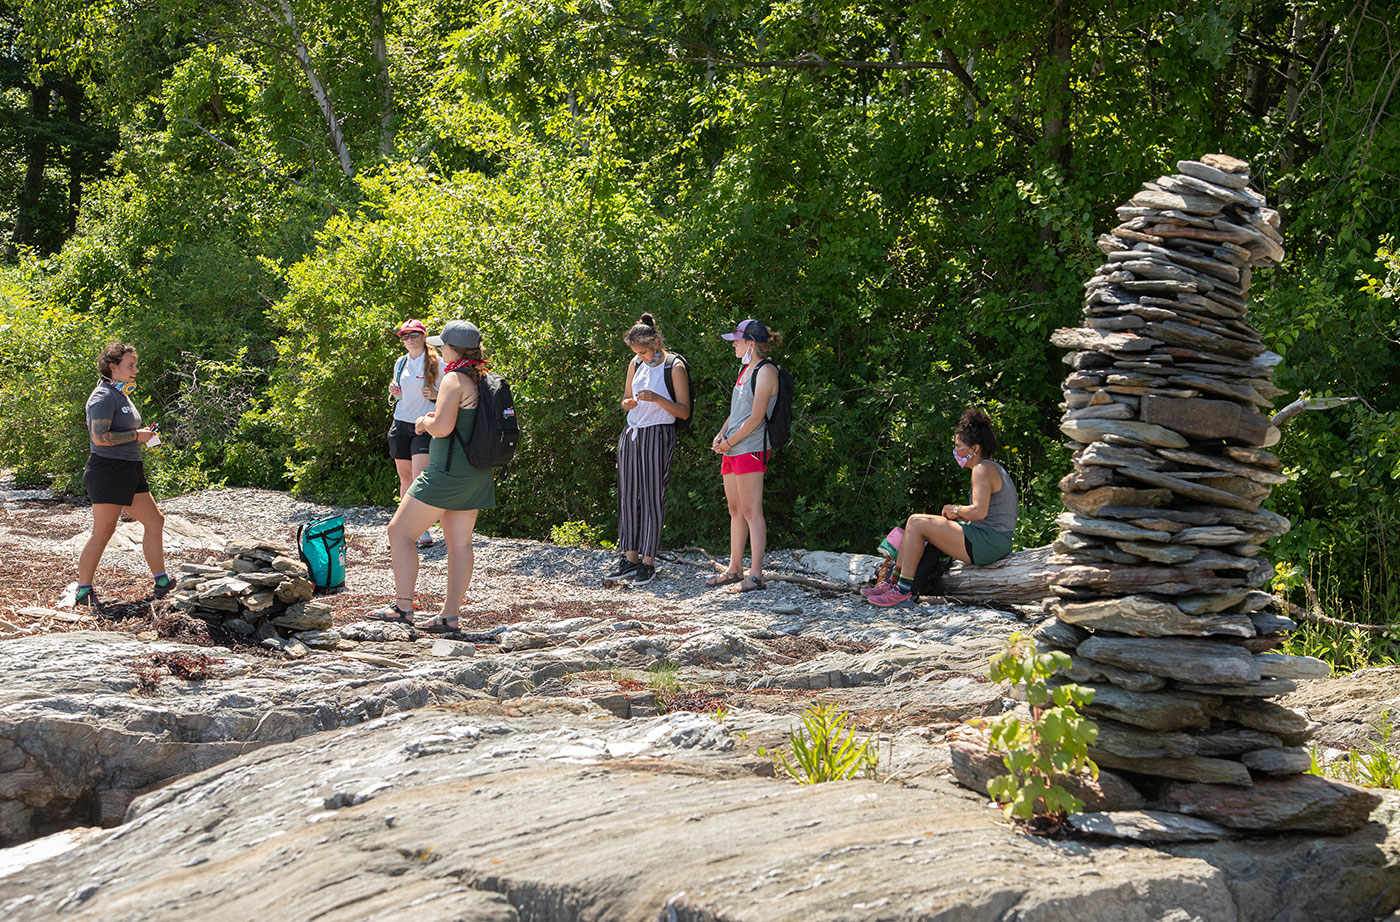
[
  {"x": 261, "y": 592},
  {"x": 1159, "y": 575}
]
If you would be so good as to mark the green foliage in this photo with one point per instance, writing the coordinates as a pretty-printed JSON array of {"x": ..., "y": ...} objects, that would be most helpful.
[
  {"x": 1055, "y": 743},
  {"x": 577, "y": 534},
  {"x": 825, "y": 749},
  {"x": 663, "y": 677},
  {"x": 1375, "y": 766}
]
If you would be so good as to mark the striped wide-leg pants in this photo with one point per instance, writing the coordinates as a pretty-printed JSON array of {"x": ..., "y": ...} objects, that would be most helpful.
[{"x": 643, "y": 473}]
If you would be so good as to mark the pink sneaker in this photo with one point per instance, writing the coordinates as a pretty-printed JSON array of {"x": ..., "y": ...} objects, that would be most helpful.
[
  {"x": 879, "y": 588},
  {"x": 890, "y": 597}
]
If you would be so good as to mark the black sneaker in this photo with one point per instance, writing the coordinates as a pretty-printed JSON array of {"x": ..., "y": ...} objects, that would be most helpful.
[
  {"x": 642, "y": 574},
  {"x": 160, "y": 590},
  {"x": 86, "y": 599},
  {"x": 624, "y": 568}
]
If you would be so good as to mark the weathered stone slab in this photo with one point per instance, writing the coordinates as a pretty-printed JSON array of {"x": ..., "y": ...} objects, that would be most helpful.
[
  {"x": 1090, "y": 502},
  {"x": 1139, "y": 433},
  {"x": 1283, "y": 666},
  {"x": 1189, "y": 488},
  {"x": 1291, "y": 761},
  {"x": 1088, "y": 672},
  {"x": 1126, "y": 580},
  {"x": 1211, "y": 535},
  {"x": 1264, "y": 688},
  {"x": 1285, "y": 723},
  {"x": 1084, "y": 338},
  {"x": 1173, "y": 554},
  {"x": 973, "y": 766},
  {"x": 1100, "y": 453},
  {"x": 1186, "y": 768},
  {"x": 1150, "y": 826},
  {"x": 1132, "y": 742},
  {"x": 1235, "y": 179},
  {"x": 1108, "y": 528},
  {"x": 1141, "y": 616},
  {"x": 1205, "y": 419},
  {"x": 1299, "y": 803},
  {"x": 1198, "y": 661},
  {"x": 1233, "y": 741},
  {"x": 1161, "y": 710}
]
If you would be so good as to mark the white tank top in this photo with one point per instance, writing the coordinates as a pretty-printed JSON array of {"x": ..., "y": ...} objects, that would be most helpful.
[{"x": 649, "y": 413}]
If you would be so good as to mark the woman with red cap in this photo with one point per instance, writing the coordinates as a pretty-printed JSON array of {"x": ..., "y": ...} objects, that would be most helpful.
[
  {"x": 743, "y": 446},
  {"x": 414, "y": 387}
]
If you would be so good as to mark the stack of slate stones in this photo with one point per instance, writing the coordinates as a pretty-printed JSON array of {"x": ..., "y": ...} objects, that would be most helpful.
[
  {"x": 1160, "y": 600},
  {"x": 260, "y": 592}
]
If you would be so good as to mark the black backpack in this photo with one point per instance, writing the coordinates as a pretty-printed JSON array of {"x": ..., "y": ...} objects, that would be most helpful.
[
  {"x": 779, "y": 428},
  {"x": 671, "y": 359},
  {"x": 933, "y": 566},
  {"x": 496, "y": 431}
]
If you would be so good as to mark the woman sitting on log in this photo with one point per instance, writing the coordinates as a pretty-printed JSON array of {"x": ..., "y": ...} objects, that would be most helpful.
[{"x": 978, "y": 533}]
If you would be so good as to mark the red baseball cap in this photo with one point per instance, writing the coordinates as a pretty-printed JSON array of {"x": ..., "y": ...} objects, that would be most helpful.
[{"x": 412, "y": 326}]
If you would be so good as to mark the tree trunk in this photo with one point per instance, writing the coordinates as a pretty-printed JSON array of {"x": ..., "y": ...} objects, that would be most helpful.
[
  {"x": 386, "y": 88},
  {"x": 1022, "y": 578},
  {"x": 1055, "y": 128},
  {"x": 318, "y": 90},
  {"x": 73, "y": 103},
  {"x": 36, "y": 152}
]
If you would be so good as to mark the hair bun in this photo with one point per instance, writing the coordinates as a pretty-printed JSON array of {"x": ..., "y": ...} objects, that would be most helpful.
[{"x": 647, "y": 320}]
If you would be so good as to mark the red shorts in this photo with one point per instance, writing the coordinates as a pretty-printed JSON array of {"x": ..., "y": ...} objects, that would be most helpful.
[{"x": 753, "y": 462}]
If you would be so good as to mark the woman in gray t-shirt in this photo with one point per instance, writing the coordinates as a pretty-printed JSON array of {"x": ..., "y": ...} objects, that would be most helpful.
[
  {"x": 115, "y": 476},
  {"x": 978, "y": 533}
]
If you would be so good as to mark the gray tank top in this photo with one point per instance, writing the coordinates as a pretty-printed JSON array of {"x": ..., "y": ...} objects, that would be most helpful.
[
  {"x": 740, "y": 407},
  {"x": 1001, "y": 508}
]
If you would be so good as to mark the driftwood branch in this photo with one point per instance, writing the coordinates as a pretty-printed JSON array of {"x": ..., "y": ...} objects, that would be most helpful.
[
  {"x": 237, "y": 153},
  {"x": 1308, "y": 403},
  {"x": 1313, "y": 613},
  {"x": 811, "y": 60}
]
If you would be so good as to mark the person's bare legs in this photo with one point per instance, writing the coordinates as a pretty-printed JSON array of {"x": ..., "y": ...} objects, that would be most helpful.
[
  {"x": 458, "y": 526},
  {"x": 104, "y": 523},
  {"x": 738, "y": 527},
  {"x": 750, "y": 490},
  {"x": 143, "y": 509},
  {"x": 409, "y": 521},
  {"x": 404, "y": 467},
  {"x": 944, "y": 534}
]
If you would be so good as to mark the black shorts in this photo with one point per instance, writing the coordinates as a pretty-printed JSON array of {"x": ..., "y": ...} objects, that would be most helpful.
[
  {"x": 114, "y": 480},
  {"x": 404, "y": 443}
]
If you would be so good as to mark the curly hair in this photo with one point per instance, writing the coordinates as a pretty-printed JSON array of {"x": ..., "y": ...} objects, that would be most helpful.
[
  {"x": 112, "y": 355},
  {"x": 975, "y": 428},
  {"x": 645, "y": 334}
]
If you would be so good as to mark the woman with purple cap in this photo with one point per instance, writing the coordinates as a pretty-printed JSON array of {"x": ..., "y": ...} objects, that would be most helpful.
[
  {"x": 978, "y": 533},
  {"x": 449, "y": 490},
  {"x": 414, "y": 387},
  {"x": 743, "y": 446}
]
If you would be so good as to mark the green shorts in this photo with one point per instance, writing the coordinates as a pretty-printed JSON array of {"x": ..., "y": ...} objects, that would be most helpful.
[{"x": 985, "y": 545}]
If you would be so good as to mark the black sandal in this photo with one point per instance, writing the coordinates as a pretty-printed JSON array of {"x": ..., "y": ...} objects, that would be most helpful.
[
  {"x": 758, "y": 584},
  {"x": 441, "y": 625},
  {"x": 724, "y": 579},
  {"x": 391, "y": 614}
]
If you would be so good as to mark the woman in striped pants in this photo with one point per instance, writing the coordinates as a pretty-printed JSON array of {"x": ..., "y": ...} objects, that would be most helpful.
[{"x": 646, "y": 446}]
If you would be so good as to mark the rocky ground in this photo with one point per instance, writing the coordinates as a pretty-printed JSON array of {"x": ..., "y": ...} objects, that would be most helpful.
[{"x": 583, "y": 751}]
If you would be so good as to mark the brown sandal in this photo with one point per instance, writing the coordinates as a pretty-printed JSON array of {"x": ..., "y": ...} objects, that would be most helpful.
[{"x": 724, "y": 579}]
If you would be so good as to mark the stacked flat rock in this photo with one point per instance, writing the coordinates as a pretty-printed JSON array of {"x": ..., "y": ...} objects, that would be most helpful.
[
  {"x": 1160, "y": 600},
  {"x": 261, "y": 591}
]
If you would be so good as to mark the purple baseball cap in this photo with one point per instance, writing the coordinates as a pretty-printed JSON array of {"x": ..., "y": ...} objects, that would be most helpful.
[{"x": 749, "y": 329}]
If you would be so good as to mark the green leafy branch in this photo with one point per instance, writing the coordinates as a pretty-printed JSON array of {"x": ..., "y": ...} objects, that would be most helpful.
[{"x": 1053, "y": 744}]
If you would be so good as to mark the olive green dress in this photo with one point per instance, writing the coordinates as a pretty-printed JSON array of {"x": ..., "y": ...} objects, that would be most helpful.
[{"x": 463, "y": 487}]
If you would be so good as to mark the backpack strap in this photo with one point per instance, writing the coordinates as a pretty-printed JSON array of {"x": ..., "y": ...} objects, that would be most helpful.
[
  {"x": 671, "y": 359},
  {"x": 398, "y": 367},
  {"x": 753, "y": 383}
]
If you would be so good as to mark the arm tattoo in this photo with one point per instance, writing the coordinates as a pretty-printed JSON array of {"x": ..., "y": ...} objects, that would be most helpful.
[{"x": 102, "y": 434}]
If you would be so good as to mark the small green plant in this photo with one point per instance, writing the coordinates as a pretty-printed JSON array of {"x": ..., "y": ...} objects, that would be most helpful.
[
  {"x": 720, "y": 714},
  {"x": 1372, "y": 767},
  {"x": 663, "y": 676},
  {"x": 825, "y": 749},
  {"x": 1054, "y": 743},
  {"x": 577, "y": 534}
]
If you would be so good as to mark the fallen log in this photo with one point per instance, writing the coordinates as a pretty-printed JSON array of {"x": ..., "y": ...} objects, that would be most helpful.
[{"x": 1022, "y": 578}]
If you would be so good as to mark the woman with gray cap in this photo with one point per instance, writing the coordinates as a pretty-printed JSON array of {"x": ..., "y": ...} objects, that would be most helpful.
[
  {"x": 451, "y": 490},
  {"x": 742, "y": 445}
]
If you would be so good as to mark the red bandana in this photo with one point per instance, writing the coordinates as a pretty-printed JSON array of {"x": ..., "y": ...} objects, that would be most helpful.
[{"x": 461, "y": 363}]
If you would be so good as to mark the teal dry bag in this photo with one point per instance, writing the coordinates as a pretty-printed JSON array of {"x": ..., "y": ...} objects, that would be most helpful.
[{"x": 322, "y": 547}]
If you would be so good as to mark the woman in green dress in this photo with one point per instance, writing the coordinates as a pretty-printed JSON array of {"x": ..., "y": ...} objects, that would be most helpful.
[{"x": 450, "y": 490}]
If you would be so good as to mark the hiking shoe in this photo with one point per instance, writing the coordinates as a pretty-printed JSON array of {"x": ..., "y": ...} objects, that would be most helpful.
[
  {"x": 86, "y": 598},
  {"x": 161, "y": 588},
  {"x": 879, "y": 588},
  {"x": 890, "y": 597},
  {"x": 425, "y": 540},
  {"x": 624, "y": 568},
  {"x": 642, "y": 573}
]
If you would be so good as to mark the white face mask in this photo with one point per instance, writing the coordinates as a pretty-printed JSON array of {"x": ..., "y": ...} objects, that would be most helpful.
[{"x": 747, "y": 356}]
